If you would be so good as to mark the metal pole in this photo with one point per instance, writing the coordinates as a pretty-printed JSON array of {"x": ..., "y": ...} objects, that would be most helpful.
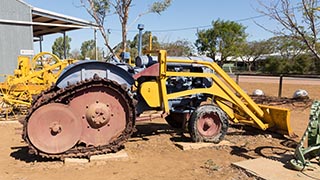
[
  {"x": 280, "y": 86},
  {"x": 40, "y": 43},
  {"x": 64, "y": 45},
  {"x": 96, "y": 44},
  {"x": 150, "y": 42},
  {"x": 140, "y": 27},
  {"x": 237, "y": 78}
]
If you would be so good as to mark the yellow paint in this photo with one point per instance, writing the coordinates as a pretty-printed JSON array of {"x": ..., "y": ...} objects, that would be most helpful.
[
  {"x": 150, "y": 93},
  {"x": 31, "y": 77},
  {"x": 227, "y": 95}
]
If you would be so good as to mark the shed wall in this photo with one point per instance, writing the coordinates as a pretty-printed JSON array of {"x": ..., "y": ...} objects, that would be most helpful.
[{"x": 13, "y": 38}]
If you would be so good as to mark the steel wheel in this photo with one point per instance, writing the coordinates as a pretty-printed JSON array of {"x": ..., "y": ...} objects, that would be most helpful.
[
  {"x": 208, "y": 124},
  {"x": 104, "y": 112},
  {"x": 53, "y": 128}
]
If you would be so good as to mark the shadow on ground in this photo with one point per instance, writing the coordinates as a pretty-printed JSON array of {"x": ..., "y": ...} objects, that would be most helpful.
[
  {"x": 146, "y": 130},
  {"x": 21, "y": 153}
]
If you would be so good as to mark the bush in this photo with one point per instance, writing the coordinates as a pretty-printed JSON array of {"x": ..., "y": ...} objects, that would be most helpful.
[{"x": 302, "y": 64}]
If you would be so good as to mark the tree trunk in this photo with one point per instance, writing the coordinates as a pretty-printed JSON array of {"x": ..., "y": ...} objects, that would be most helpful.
[
  {"x": 124, "y": 36},
  {"x": 250, "y": 67}
]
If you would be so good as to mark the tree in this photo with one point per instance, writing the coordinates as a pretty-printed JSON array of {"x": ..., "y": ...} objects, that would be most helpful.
[
  {"x": 286, "y": 46},
  {"x": 300, "y": 21},
  {"x": 58, "y": 46},
  {"x": 225, "y": 37},
  {"x": 178, "y": 48},
  {"x": 99, "y": 9},
  {"x": 88, "y": 49},
  {"x": 145, "y": 41},
  {"x": 252, "y": 51}
]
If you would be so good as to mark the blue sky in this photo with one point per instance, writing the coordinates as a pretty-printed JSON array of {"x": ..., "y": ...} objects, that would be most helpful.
[{"x": 167, "y": 26}]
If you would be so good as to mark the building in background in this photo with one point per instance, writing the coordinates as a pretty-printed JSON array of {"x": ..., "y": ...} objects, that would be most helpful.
[{"x": 21, "y": 24}]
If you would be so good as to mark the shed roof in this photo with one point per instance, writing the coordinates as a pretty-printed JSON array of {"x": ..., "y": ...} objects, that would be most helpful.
[{"x": 46, "y": 22}]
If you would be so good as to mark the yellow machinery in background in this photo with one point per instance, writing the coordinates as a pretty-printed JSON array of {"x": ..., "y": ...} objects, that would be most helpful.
[{"x": 30, "y": 78}]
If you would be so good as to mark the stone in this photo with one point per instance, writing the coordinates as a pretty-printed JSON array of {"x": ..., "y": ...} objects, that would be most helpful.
[
  {"x": 191, "y": 145},
  {"x": 121, "y": 155},
  {"x": 69, "y": 161}
]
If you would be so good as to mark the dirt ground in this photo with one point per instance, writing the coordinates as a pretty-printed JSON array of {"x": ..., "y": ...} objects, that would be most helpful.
[{"x": 153, "y": 155}]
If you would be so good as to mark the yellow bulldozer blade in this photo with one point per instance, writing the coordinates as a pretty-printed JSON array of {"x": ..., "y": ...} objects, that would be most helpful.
[{"x": 278, "y": 119}]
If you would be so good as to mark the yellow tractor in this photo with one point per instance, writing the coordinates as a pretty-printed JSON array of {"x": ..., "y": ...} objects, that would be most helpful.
[
  {"x": 94, "y": 106},
  {"x": 30, "y": 78}
]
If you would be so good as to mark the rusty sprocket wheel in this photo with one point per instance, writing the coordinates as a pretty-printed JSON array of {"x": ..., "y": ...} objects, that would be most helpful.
[
  {"x": 68, "y": 96},
  {"x": 53, "y": 128}
]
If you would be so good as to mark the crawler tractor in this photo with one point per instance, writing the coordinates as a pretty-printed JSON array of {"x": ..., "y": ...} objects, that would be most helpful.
[{"x": 94, "y": 106}]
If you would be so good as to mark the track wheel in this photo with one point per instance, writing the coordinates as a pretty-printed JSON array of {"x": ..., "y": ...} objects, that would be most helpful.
[
  {"x": 208, "y": 123},
  {"x": 53, "y": 128}
]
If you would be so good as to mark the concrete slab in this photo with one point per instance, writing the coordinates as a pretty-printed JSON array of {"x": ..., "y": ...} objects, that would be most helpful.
[
  {"x": 277, "y": 169},
  {"x": 191, "y": 145},
  {"x": 9, "y": 122},
  {"x": 121, "y": 155},
  {"x": 75, "y": 161}
]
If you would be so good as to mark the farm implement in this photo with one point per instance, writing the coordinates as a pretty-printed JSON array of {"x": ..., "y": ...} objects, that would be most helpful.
[{"x": 30, "y": 78}]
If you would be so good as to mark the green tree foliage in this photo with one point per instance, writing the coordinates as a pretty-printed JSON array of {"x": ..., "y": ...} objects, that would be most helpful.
[
  {"x": 301, "y": 64},
  {"x": 225, "y": 37},
  {"x": 250, "y": 52},
  {"x": 145, "y": 41},
  {"x": 178, "y": 48},
  {"x": 58, "y": 47},
  {"x": 88, "y": 49},
  {"x": 286, "y": 46},
  {"x": 291, "y": 57},
  {"x": 133, "y": 45}
]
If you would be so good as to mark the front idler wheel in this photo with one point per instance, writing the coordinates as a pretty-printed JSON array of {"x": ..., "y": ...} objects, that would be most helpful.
[{"x": 208, "y": 123}]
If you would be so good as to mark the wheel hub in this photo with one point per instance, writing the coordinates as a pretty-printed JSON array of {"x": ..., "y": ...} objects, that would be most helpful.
[
  {"x": 98, "y": 114},
  {"x": 209, "y": 124},
  {"x": 104, "y": 116},
  {"x": 55, "y": 128}
]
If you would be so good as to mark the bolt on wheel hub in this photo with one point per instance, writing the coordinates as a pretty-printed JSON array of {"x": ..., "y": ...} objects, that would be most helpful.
[{"x": 98, "y": 114}]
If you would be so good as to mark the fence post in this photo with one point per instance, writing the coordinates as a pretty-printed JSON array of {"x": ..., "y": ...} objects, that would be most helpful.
[
  {"x": 237, "y": 78},
  {"x": 280, "y": 85}
]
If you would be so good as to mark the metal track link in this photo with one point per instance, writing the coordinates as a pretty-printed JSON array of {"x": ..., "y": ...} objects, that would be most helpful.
[
  {"x": 64, "y": 96},
  {"x": 311, "y": 134}
]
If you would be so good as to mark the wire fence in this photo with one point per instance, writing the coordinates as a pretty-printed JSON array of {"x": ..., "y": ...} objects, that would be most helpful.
[{"x": 279, "y": 76}]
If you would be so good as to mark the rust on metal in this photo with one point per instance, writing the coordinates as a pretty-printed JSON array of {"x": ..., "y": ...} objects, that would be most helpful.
[
  {"x": 53, "y": 128},
  {"x": 209, "y": 124},
  {"x": 106, "y": 100}
]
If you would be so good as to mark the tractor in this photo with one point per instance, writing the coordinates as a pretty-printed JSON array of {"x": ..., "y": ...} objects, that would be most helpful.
[{"x": 93, "y": 107}]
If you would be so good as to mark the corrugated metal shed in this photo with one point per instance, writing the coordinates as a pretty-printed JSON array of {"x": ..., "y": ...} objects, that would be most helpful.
[
  {"x": 20, "y": 23},
  {"x": 13, "y": 38}
]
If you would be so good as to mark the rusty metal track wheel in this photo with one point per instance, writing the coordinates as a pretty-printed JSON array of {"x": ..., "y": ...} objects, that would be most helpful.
[
  {"x": 208, "y": 123},
  {"x": 53, "y": 128},
  {"x": 104, "y": 112},
  {"x": 103, "y": 108}
]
